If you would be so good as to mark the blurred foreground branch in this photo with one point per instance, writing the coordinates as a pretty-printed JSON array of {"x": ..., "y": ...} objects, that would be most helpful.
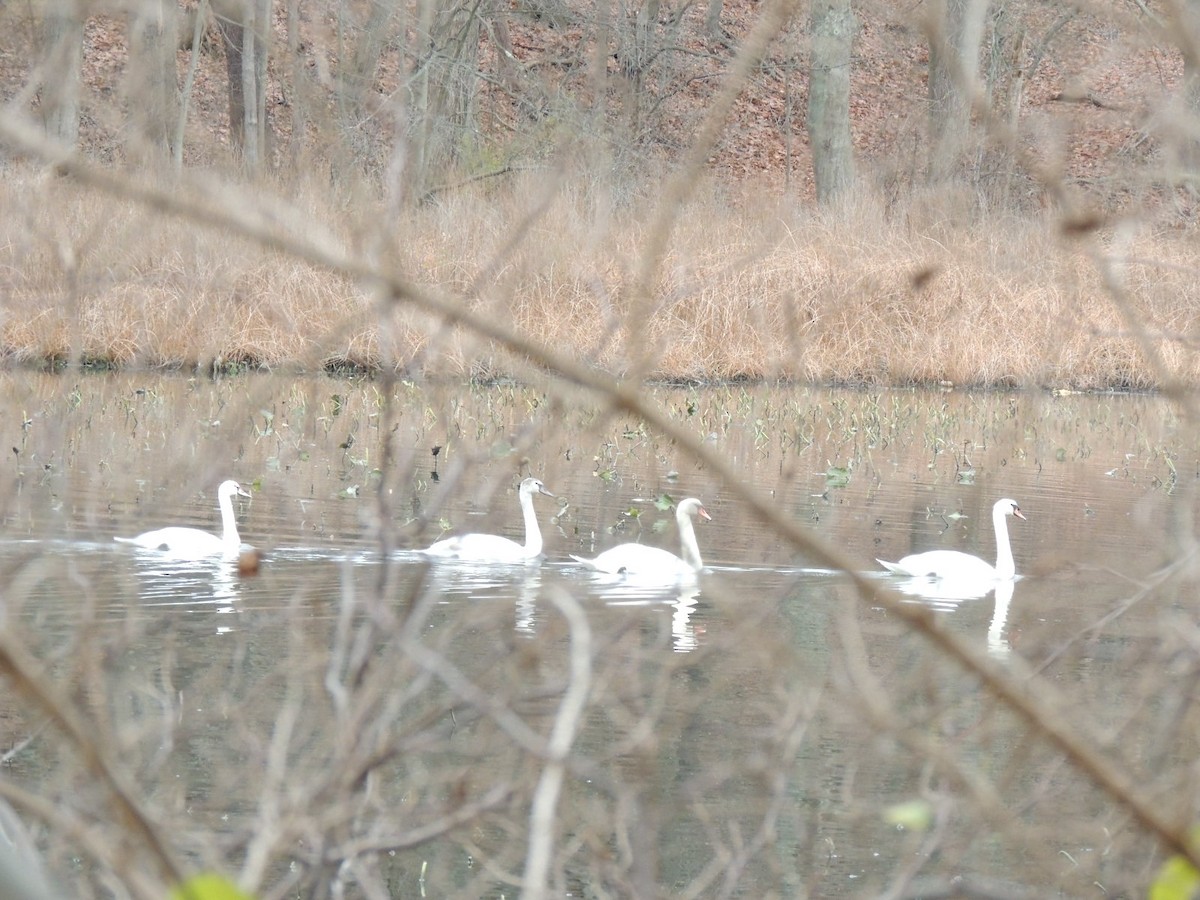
[
  {"x": 35, "y": 686},
  {"x": 224, "y": 208}
]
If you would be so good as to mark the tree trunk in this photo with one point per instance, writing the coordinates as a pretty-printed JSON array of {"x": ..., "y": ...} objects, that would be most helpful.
[
  {"x": 496, "y": 14},
  {"x": 250, "y": 126},
  {"x": 244, "y": 30},
  {"x": 297, "y": 99},
  {"x": 712, "y": 18},
  {"x": 444, "y": 92},
  {"x": 832, "y": 28},
  {"x": 1188, "y": 29},
  {"x": 956, "y": 34},
  {"x": 373, "y": 39},
  {"x": 360, "y": 126},
  {"x": 637, "y": 48},
  {"x": 152, "y": 92},
  {"x": 231, "y": 37},
  {"x": 63, "y": 38}
]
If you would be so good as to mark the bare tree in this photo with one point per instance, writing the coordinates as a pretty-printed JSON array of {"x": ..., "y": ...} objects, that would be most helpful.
[
  {"x": 1187, "y": 30},
  {"x": 363, "y": 136},
  {"x": 712, "y": 18},
  {"x": 955, "y": 37},
  {"x": 553, "y": 13},
  {"x": 62, "y": 30},
  {"x": 443, "y": 89},
  {"x": 832, "y": 26},
  {"x": 151, "y": 88},
  {"x": 244, "y": 27},
  {"x": 356, "y": 79}
]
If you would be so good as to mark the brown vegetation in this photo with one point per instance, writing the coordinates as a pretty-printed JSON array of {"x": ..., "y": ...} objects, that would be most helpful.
[
  {"x": 752, "y": 291},
  {"x": 981, "y": 283}
]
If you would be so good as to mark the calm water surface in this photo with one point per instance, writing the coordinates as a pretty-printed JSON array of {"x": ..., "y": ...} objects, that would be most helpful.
[{"x": 753, "y": 733}]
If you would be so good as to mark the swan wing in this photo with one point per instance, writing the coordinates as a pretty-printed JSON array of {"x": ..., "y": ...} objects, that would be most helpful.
[
  {"x": 184, "y": 543},
  {"x": 942, "y": 564},
  {"x": 483, "y": 548},
  {"x": 892, "y": 567},
  {"x": 639, "y": 560}
]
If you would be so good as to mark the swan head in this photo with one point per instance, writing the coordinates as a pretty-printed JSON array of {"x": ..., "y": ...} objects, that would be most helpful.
[
  {"x": 531, "y": 486},
  {"x": 693, "y": 507},
  {"x": 231, "y": 488},
  {"x": 1008, "y": 508}
]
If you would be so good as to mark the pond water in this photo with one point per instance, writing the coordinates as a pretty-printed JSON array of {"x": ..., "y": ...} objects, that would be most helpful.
[{"x": 351, "y": 717}]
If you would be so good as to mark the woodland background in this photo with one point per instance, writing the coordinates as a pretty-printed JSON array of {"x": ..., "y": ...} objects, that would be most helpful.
[{"x": 859, "y": 192}]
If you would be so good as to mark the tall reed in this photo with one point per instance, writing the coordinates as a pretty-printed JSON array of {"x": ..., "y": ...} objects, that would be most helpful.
[{"x": 751, "y": 286}]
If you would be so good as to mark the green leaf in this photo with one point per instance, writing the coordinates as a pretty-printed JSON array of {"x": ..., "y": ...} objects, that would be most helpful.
[
  {"x": 208, "y": 886},
  {"x": 1177, "y": 880},
  {"x": 837, "y": 476},
  {"x": 915, "y": 815},
  {"x": 663, "y": 502}
]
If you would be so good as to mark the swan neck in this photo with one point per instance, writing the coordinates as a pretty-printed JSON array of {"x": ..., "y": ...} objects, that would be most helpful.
[
  {"x": 687, "y": 538},
  {"x": 229, "y": 532},
  {"x": 533, "y": 534},
  {"x": 1005, "y": 567}
]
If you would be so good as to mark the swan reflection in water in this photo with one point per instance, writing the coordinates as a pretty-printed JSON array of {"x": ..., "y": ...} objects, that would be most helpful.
[
  {"x": 474, "y": 581},
  {"x": 682, "y": 627},
  {"x": 211, "y": 584},
  {"x": 682, "y": 599},
  {"x": 947, "y": 594},
  {"x": 525, "y": 585},
  {"x": 997, "y": 643},
  {"x": 526, "y": 611}
]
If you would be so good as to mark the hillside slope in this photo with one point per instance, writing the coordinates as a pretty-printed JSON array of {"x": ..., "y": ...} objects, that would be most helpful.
[{"x": 1091, "y": 92}]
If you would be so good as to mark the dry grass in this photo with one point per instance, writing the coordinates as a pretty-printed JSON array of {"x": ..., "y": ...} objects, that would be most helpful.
[{"x": 745, "y": 290}]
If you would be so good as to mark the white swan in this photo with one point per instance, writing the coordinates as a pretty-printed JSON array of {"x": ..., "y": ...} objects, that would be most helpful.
[
  {"x": 491, "y": 548},
  {"x": 963, "y": 567},
  {"x": 192, "y": 543},
  {"x": 639, "y": 560}
]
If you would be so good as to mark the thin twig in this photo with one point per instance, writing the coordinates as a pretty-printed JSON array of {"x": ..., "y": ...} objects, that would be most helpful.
[
  {"x": 35, "y": 685},
  {"x": 414, "y": 837}
]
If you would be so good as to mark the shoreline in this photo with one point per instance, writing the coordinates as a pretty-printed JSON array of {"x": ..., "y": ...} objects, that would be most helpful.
[{"x": 59, "y": 367}]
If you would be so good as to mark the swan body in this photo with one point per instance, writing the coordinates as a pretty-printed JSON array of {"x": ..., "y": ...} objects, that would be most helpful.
[
  {"x": 192, "y": 543},
  {"x": 638, "y": 560},
  {"x": 491, "y": 548},
  {"x": 952, "y": 565}
]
